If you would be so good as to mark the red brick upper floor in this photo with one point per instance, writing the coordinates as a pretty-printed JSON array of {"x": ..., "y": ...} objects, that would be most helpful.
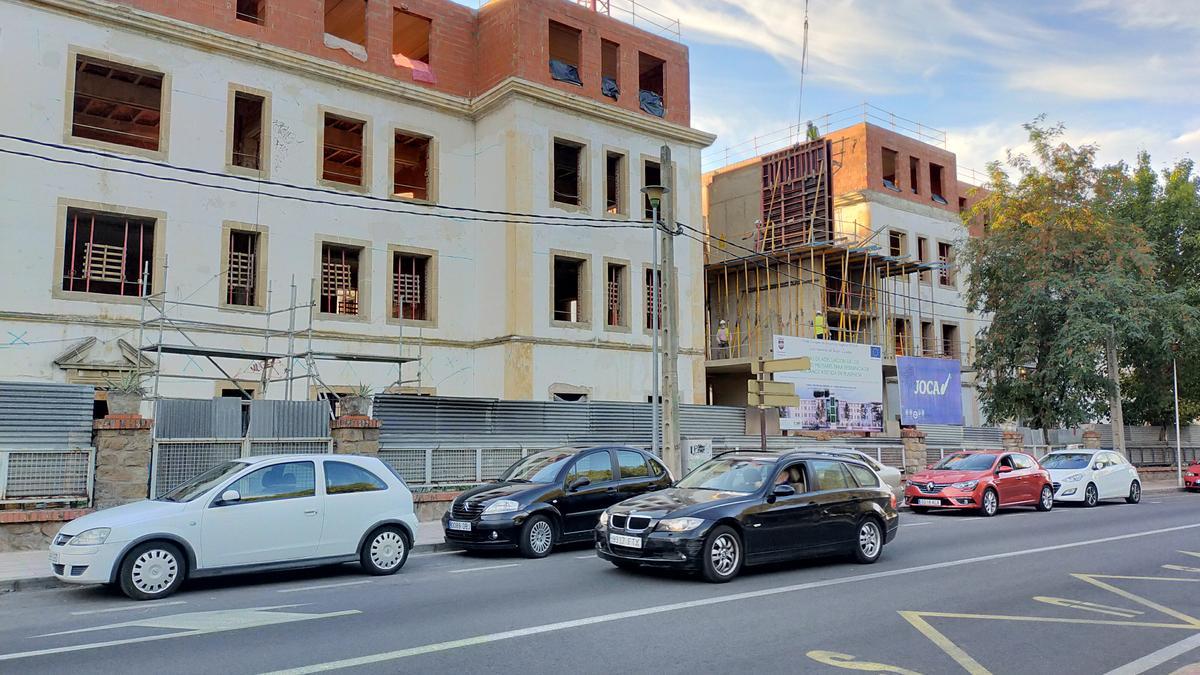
[{"x": 454, "y": 49}]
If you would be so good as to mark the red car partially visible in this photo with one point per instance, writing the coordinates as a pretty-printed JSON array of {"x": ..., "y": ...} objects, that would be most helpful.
[
  {"x": 1191, "y": 477},
  {"x": 986, "y": 481}
]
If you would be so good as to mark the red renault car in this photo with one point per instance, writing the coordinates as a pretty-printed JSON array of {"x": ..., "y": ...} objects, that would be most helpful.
[
  {"x": 986, "y": 481},
  {"x": 1191, "y": 477}
]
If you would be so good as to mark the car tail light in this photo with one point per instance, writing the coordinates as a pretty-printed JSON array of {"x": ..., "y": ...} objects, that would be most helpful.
[{"x": 893, "y": 500}]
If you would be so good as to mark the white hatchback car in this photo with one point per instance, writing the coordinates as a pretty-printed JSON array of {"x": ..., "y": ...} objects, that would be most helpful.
[
  {"x": 1083, "y": 475},
  {"x": 259, "y": 513}
]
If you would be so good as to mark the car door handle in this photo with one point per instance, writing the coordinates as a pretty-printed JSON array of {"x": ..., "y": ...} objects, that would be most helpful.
[
  {"x": 311, "y": 512},
  {"x": 611, "y": 491}
]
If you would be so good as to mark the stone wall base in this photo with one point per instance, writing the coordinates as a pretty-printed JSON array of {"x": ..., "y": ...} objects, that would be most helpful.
[{"x": 32, "y": 530}]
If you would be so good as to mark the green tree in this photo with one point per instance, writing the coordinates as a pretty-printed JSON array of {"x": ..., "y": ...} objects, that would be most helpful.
[{"x": 1057, "y": 273}]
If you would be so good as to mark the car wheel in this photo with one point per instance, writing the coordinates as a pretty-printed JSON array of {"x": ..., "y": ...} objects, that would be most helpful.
[
  {"x": 1091, "y": 496},
  {"x": 537, "y": 537},
  {"x": 384, "y": 552},
  {"x": 869, "y": 542},
  {"x": 990, "y": 503},
  {"x": 1135, "y": 493},
  {"x": 152, "y": 570},
  {"x": 722, "y": 555},
  {"x": 919, "y": 509},
  {"x": 1046, "y": 500}
]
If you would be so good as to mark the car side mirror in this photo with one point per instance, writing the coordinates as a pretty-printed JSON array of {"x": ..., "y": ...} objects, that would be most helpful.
[
  {"x": 783, "y": 490},
  {"x": 582, "y": 481},
  {"x": 1003, "y": 469},
  {"x": 230, "y": 497}
]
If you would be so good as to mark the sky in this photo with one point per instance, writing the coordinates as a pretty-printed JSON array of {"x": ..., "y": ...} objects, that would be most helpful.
[{"x": 1122, "y": 74}]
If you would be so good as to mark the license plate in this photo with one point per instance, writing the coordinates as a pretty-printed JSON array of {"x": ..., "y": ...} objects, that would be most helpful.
[
  {"x": 460, "y": 525},
  {"x": 623, "y": 540},
  {"x": 53, "y": 558},
  {"x": 929, "y": 502}
]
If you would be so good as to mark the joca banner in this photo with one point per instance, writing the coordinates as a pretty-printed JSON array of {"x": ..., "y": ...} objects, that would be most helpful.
[{"x": 930, "y": 390}]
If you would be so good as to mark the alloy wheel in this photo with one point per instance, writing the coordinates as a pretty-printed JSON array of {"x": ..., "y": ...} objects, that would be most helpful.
[
  {"x": 1135, "y": 493},
  {"x": 1047, "y": 498},
  {"x": 1091, "y": 496},
  {"x": 540, "y": 537},
  {"x": 989, "y": 502},
  {"x": 154, "y": 571},
  {"x": 724, "y": 554},
  {"x": 868, "y": 539},
  {"x": 387, "y": 549}
]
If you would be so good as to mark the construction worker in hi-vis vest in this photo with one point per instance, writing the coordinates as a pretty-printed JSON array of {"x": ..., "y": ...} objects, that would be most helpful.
[{"x": 819, "y": 326}]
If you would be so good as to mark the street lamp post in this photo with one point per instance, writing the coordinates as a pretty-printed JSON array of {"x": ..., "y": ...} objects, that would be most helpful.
[
  {"x": 1175, "y": 388},
  {"x": 655, "y": 194}
]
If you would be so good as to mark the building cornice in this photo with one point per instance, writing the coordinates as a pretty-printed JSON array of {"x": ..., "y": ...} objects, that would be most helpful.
[
  {"x": 898, "y": 203},
  {"x": 210, "y": 40}
]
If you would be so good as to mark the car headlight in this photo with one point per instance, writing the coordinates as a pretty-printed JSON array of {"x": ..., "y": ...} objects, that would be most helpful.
[
  {"x": 679, "y": 524},
  {"x": 501, "y": 506},
  {"x": 92, "y": 537},
  {"x": 1192, "y": 473},
  {"x": 604, "y": 519},
  {"x": 1073, "y": 478},
  {"x": 965, "y": 485}
]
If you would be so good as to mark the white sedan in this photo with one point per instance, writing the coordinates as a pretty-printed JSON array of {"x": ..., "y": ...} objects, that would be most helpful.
[
  {"x": 260, "y": 513},
  {"x": 1082, "y": 475}
]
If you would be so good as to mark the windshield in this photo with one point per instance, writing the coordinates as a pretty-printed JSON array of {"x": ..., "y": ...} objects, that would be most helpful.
[
  {"x": 729, "y": 475},
  {"x": 540, "y": 468},
  {"x": 966, "y": 462},
  {"x": 1066, "y": 460},
  {"x": 203, "y": 483}
]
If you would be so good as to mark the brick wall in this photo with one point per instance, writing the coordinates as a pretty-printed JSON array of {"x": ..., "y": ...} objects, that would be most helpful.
[{"x": 858, "y": 165}]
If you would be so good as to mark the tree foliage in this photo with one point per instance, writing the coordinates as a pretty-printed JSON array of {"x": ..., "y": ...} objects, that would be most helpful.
[{"x": 1058, "y": 272}]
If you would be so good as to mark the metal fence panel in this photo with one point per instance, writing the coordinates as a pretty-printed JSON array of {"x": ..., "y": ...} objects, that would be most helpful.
[
  {"x": 45, "y": 415},
  {"x": 408, "y": 462},
  {"x": 176, "y": 461},
  {"x": 46, "y": 475},
  {"x": 288, "y": 446},
  {"x": 198, "y": 418},
  {"x": 453, "y": 464},
  {"x": 497, "y": 460},
  {"x": 288, "y": 419}
]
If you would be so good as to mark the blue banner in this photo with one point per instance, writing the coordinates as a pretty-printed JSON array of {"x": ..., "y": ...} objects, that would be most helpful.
[{"x": 930, "y": 390}]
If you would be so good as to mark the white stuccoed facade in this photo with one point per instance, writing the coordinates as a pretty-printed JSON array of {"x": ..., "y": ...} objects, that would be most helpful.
[{"x": 493, "y": 335}]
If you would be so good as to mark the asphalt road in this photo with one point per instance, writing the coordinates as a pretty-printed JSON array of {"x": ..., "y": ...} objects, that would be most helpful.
[{"x": 1074, "y": 590}]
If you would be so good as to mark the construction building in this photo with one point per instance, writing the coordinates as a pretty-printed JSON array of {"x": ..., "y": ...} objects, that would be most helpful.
[
  {"x": 225, "y": 193},
  {"x": 844, "y": 231}
]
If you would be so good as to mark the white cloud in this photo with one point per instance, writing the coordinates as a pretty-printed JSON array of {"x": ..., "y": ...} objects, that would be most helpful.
[
  {"x": 1170, "y": 14},
  {"x": 1154, "y": 78}
]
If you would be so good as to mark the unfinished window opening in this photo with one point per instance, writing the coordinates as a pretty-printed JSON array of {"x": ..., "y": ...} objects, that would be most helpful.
[
  {"x": 614, "y": 183},
  {"x": 242, "y": 269},
  {"x": 346, "y": 27},
  {"x": 107, "y": 253},
  {"x": 569, "y": 284},
  {"x": 897, "y": 244},
  {"x": 914, "y": 174},
  {"x": 246, "y": 393},
  {"x": 565, "y": 396},
  {"x": 902, "y": 332},
  {"x": 247, "y": 131},
  {"x": 343, "y": 150},
  {"x": 946, "y": 258},
  {"x": 929, "y": 346},
  {"x": 651, "y": 91},
  {"x": 410, "y": 44},
  {"x": 962, "y": 204},
  {"x": 568, "y": 172},
  {"x": 252, "y": 11},
  {"x": 651, "y": 175},
  {"x": 340, "y": 279},
  {"x": 890, "y": 159},
  {"x": 650, "y": 277},
  {"x": 564, "y": 53},
  {"x": 410, "y": 284},
  {"x": 410, "y": 175},
  {"x": 615, "y": 277},
  {"x": 950, "y": 341},
  {"x": 117, "y": 104},
  {"x": 610, "y": 69},
  {"x": 923, "y": 255},
  {"x": 935, "y": 184}
]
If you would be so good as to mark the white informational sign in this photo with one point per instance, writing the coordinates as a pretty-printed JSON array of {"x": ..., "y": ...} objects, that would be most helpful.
[
  {"x": 696, "y": 451},
  {"x": 841, "y": 391}
]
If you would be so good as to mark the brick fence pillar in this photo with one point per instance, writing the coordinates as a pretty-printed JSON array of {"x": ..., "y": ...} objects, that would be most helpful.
[
  {"x": 915, "y": 458},
  {"x": 123, "y": 447},
  {"x": 1011, "y": 439},
  {"x": 355, "y": 435},
  {"x": 1091, "y": 439}
]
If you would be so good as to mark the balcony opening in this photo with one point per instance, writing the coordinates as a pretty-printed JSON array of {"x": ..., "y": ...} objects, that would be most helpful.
[
  {"x": 252, "y": 11},
  {"x": 901, "y": 330},
  {"x": 410, "y": 44},
  {"x": 651, "y": 90},
  {"x": 107, "y": 253},
  {"x": 614, "y": 183},
  {"x": 568, "y": 172},
  {"x": 914, "y": 174},
  {"x": 935, "y": 184},
  {"x": 923, "y": 255},
  {"x": 247, "y": 131},
  {"x": 117, "y": 104},
  {"x": 649, "y": 286},
  {"x": 564, "y": 53},
  {"x": 343, "y": 150},
  {"x": 962, "y": 204},
  {"x": 569, "y": 283},
  {"x": 616, "y": 279},
  {"x": 242, "y": 269},
  {"x": 950, "y": 341},
  {"x": 929, "y": 345},
  {"x": 410, "y": 175},
  {"x": 346, "y": 26},
  {"x": 946, "y": 276},
  {"x": 339, "y": 279},
  {"x": 897, "y": 244},
  {"x": 651, "y": 175},
  {"x": 889, "y": 160},
  {"x": 410, "y": 283},
  {"x": 610, "y": 69}
]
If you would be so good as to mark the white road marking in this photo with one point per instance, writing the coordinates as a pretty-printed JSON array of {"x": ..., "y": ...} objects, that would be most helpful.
[
  {"x": 430, "y": 555},
  {"x": 126, "y": 608},
  {"x": 478, "y": 569},
  {"x": 585, "y": 557},
  {"x": 704, "y": 602},
  {"x": 314, "y": 588},
  {"x": 928, "y": 522},
  {"x": 1155, "y": 659}
]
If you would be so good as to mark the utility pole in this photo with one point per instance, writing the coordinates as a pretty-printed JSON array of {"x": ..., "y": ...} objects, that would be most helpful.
[
  {"x": 1175, "y": 389},
  {"x": 670, "y": 384},
  {"x": 1116, "y": 415}
]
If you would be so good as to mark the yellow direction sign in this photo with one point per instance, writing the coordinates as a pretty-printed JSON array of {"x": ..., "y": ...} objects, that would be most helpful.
[
  {"x": 781, "y": 365},
  {"x": 772, "y": 400},
  {"x": 764, "y": 387}
]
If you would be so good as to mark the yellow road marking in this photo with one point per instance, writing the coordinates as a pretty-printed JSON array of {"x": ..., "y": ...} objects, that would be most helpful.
[
  {"x": 839, "y": 660},
  {"x": 952, "y": 650},
  {"x": 1094, "y": 579},
  {"x": 1193, "y": 669},
  {"x": 1089, "y": 606},
  {"x": 1055, "y": 619}
]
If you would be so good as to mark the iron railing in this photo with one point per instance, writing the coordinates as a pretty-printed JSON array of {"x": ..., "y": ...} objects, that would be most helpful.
[{"x": 36, "y": 476}]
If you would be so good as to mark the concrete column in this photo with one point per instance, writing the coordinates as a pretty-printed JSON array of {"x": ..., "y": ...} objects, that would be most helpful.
[
  {"x": 355, "y": 435},
  {"x": 915, "y": 458},
  {"x": 123, "y": 447}
]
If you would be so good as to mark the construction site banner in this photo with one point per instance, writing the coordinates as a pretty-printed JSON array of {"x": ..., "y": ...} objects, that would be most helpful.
[
  {"x": 841, "y": 391},
  {"x": 930, "y": 390}
]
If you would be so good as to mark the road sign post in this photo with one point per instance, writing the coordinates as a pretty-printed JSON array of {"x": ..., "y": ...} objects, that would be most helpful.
[{"x": 763, "y": 393}]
